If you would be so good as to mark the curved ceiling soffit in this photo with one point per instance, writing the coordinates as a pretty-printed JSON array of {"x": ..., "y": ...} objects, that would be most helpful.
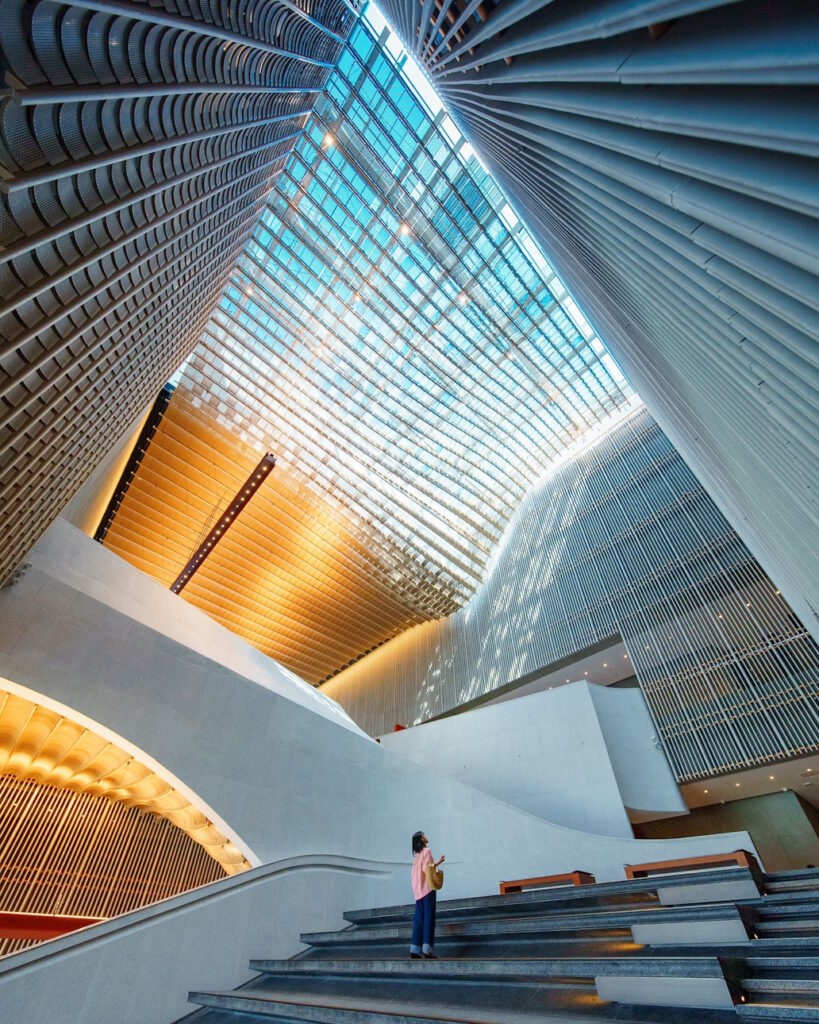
[{"x": 54, "y": 745}]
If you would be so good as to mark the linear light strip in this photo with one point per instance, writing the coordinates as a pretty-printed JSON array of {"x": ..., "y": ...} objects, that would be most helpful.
[
  {"x": 225, "y": 521},
  {"x": 134, "y": 461}
]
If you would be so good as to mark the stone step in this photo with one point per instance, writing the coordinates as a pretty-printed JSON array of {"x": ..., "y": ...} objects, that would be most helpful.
[
  {"x": 631, "y": 890},
  {"x": 472, "y": 1004},
  {"x": 799, "y": 878},
  {"x": 787, "y": 986},
  {"x": 580, "y": 923},
  {"x": 478, "y": 947},
  {"x": 783, "y": 1012},
  {"x": 506, "y": 970},
  {"x": 805, "y": 926}
]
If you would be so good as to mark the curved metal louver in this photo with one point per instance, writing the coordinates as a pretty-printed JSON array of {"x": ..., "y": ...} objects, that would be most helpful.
[
  {"x": 665, "y": 155},
  {"x": 138, "y": 143}
]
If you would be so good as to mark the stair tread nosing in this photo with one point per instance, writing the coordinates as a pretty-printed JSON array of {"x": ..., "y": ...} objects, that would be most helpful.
[{"x": 652, "y": 966}]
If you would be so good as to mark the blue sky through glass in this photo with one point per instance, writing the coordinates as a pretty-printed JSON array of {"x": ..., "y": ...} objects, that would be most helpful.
[{"x": 395, "y": 335}]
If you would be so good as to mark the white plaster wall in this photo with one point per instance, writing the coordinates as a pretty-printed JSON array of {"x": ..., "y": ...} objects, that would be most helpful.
[
  {"x": 550, "y": 753},
  {"x": 289, "y": 776},
  {"x": 644, "y": 776},
  {"x": 139, "y": 968}
]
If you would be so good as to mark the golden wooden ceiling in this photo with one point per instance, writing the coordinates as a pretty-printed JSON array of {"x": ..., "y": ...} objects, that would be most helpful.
[
  {"x": 40, "y": 744},
  {"x": 293, "y": 575}
]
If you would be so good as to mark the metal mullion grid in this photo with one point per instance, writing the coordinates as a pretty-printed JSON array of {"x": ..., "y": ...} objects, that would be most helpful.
[
  {"x": 721, "y": 592},
  {"x": 435, "y": 259},
  {"x": 435, "y": 543},
  {"x": 296, "y": 376},
  {"x": 374, "y": 566},
  {"x": 474, "y": 439},
  {"x": 461, "y": 370},
  {"x": 356, "y": 530},
  {"x": 475, "y": 185},
  {"x": 422, "y": 529},
  {"x": 456, "y": 257},
  {"x": 674, "y": 602},
  {"x": 366, "y": 461}
]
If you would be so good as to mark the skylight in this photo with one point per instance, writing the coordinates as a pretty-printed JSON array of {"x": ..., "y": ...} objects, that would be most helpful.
[{"x": 394, "y": 334}]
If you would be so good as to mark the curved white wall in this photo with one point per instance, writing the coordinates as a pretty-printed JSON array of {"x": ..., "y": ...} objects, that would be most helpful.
[
  {"x": 290, "y": 776},
  {"x": 578, "y": 756}
]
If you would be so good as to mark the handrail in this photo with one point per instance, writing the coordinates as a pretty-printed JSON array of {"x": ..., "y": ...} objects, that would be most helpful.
[{"x": 177, "y": 904}]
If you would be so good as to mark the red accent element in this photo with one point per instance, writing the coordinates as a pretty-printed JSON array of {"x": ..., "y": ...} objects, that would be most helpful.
[
  {"x": 547, "y": 881},
  {"x": 41, "y": 926},
  {"x": 398, "y": 728}
]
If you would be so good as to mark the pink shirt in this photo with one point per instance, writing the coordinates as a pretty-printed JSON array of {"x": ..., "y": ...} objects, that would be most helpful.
[{"x": 420, "y": 886}]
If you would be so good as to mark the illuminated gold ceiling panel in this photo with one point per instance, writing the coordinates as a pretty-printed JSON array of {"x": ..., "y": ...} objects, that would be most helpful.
[
  {"x": 40, "y": 744},
  {"x": 291, "y": 575}
]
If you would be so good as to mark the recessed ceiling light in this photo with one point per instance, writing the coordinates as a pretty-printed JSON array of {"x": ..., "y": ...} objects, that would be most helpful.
[
  {"x": 329, "y": 140},
  {"x": 405, "y": 230},
  {"x": 625, "y": 656},
  {"x": 605, "y": 664},
  {"x": 737, "y": 785},
  {"x": 586, "y": 673},
  {"x": 771, "y": 777},
  {"x": 705, "y": 791}
]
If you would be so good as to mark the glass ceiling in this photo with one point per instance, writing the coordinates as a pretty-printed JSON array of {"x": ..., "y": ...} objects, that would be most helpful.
[{"x": 396, "y": 337}]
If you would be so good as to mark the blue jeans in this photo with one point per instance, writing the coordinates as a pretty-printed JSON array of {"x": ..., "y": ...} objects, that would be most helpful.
[{"x": 423, "y": 925}]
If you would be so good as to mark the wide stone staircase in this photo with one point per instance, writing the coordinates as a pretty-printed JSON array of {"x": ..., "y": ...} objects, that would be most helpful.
[{"x": 687, "y": 948}]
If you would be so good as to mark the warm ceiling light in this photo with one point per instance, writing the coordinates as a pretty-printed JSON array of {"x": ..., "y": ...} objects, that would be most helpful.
[
  {"x": 736, "y": 784},
  {"x": 625, "y": 656},
  {"x": 463, "y": 298},
  {"x": 719, "y": 616},
  {"x": 586, "y": 673},
  {"x": 329, "y": 140},
  {"x": 705, "y": 791},
  {"x": 809, "y": 769},
  {"x": 405, "y": 230},
  {"x": 605, "y": 664},
  {"x": 777, "y": 591},
  {"x": 771, "y": 777}
]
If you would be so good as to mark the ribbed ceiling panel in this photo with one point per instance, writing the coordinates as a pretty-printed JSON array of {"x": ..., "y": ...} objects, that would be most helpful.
[
  {"x": 139, "y": 141},
  {"x": 664, "y": 154}
]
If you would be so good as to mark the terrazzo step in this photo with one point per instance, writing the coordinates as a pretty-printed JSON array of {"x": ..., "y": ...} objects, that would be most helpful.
[
  {"x": 639, "y": 890},
  {"x": 589, "y": 922},
  {"x": 478, "y": 948},
  {"x": 554, "y": 1002},
  {"x": 792, "y": 985},
  {"x": 804, "y": 926},
  {"x": 783, "y": 1012},
  {"x": 783, "y": 881},
  {"x": 504, "y": 970}
]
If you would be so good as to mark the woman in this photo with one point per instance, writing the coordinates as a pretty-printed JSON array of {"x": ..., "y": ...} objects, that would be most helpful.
[{"x": 423, "y": 926}]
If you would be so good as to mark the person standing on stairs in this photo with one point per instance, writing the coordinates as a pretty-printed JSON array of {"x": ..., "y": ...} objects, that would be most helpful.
[{"x": 426, "y": 880}]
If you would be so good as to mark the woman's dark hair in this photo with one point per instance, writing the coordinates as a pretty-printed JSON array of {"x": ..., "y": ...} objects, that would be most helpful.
[{"x": 417, "y": 842}]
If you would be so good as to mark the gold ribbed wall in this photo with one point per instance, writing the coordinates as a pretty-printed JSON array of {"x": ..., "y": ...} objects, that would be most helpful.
[
  {"x": 41, "y": 745},
  {"x": 63, "y": 852}
]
